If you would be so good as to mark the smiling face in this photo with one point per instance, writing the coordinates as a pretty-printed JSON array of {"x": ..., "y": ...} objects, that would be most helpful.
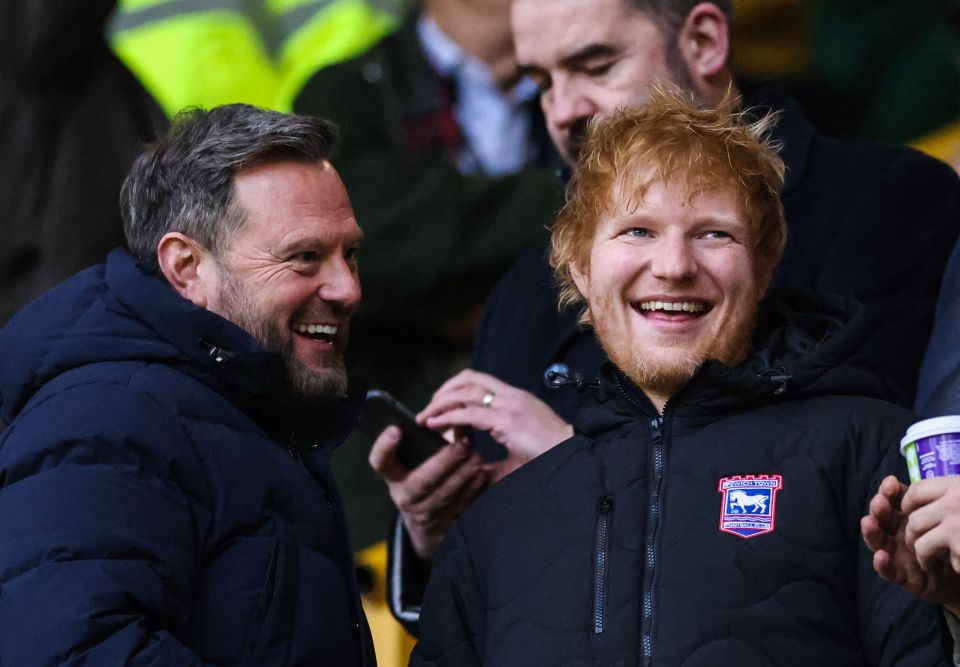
[
  {"x": 289, "y": 276},
  {"x": 589, "y": 57},
  {"x": 670, "y": 284}
]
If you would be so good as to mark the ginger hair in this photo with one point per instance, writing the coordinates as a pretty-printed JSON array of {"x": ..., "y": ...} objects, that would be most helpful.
[{"x": 669, "y": 139}]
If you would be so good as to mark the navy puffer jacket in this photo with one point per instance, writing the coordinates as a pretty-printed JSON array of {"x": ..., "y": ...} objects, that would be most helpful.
[
  {"x": 163, "y": 500},
  {"x": 723, "y": 532}
]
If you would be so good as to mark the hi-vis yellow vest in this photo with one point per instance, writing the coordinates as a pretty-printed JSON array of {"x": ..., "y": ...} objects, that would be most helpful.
[{"x": 210, "y": 52}]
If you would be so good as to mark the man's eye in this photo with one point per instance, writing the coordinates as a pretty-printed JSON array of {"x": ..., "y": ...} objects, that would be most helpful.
[
  {"x": 716, "y": 234},
  {"x": 350, "y": 254},
  {"x": 637, "y": 232},
  {"x": 598, "y": 69},
  {"x": 306, "y": 257}
]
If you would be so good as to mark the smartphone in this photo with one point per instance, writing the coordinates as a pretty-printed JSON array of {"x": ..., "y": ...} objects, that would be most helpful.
[{"x": 382, "y": 410}]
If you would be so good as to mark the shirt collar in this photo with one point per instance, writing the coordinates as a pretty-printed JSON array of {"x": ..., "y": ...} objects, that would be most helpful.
[{"x": 451, "y": 61}]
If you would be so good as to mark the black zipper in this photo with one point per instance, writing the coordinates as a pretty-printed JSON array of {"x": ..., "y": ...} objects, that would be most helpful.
[
  {"x": 653, "y": 515},
  {"x": 653, "y": 518},
  {"x": 601, "y": 560}
]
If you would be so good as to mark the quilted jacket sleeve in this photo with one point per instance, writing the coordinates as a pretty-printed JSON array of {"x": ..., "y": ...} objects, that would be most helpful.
[
  {"x": 97, "y": 543},
  {"x": 452, "y": 619},
  {"x": 896, "y": 628},
  {"x": 938, "y": 392}
]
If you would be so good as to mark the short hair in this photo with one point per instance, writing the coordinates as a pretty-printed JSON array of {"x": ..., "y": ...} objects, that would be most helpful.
[
  {"x": 670, "y": 139},
  {"x": 670, "y": 14},
  {"x": 183, "y": 182}
]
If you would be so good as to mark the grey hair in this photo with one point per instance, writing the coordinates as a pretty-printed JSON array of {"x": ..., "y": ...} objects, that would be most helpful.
[
  {"x": 671, "y": 14},
  {"x": 183, "y": 182}
]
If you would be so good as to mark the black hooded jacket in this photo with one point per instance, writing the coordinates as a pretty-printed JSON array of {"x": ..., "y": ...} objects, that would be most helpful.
[
  {"x": 725, "y": 529},
  {"x": 164, "y": 498}
]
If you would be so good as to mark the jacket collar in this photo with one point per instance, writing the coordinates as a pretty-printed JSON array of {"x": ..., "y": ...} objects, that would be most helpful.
[
  {"x": 800, "y": 349},
  {"x": 228, "y": 359}
]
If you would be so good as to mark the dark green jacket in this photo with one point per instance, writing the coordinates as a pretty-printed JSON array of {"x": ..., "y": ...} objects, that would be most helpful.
[{"x": 435, "y": 240}]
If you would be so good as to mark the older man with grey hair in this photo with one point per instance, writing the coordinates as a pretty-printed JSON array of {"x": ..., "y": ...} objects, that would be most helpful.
[{"x": 165, "y": 495}]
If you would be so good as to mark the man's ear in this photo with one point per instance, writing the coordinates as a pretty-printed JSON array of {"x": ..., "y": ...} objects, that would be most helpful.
[
  {"x": 188, "y": 267},
  {"x": 581, "y": 279},
  {"x": 704, "y": 43}
]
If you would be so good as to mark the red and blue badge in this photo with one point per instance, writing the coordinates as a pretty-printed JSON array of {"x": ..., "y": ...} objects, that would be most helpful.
[{"x": 749, "y": 505}]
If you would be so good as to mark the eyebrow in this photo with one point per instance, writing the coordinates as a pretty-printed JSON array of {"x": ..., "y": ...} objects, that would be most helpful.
[
  {"x": 575, "y": 59},
  {"x": 588, "y": 53},
  {"x": 313, "y": 243}
]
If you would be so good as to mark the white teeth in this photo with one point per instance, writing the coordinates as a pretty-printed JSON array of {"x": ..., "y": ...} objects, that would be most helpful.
[
  {"x": 328, "y": 329},
  {"x": 672, "y": 306}
]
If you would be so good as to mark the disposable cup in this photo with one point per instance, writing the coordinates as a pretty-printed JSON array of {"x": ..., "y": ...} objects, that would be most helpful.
[{"x": 932, "y": 448}]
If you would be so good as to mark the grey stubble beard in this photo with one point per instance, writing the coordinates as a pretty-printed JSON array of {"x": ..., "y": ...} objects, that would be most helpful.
[{"x": 305, "y": 382}]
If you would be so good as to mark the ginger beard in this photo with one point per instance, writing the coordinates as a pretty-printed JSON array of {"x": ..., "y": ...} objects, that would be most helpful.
[
  {"x": 665, "y": 362},
  {"x": 308, "y": 382}
]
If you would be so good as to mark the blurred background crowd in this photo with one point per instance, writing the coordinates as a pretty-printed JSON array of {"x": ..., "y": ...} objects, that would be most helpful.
[{"x": 447, "y": 201}]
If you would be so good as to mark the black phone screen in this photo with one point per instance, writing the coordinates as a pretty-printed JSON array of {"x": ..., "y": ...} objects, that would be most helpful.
[{"x": 382, "y": 410}]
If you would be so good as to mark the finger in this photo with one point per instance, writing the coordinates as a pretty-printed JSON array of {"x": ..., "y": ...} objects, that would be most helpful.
[
  {"x": 444, "y": 493},
  {"x": 464, "y": 498},
  {"x": 892, "y": 489},
  {"x": 883, "y": 511},
  {"x": 456, "y": 397},
  {"x": 480, "y": 418},
  {"x": 873, "y": 533},
  {"x": 926, "y": 491},
  {"x": 383, "y": 455},
  {"x": 883, "y": 565},
  {"x": 921, "y": 521},
  {"x": 930, "y": 547},
  {"x": 469, "y": 386},
  {"x": 421, "y": 481}
]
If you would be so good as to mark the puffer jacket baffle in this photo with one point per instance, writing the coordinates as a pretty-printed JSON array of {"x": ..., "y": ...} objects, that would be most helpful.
[
  {"x": 163, "y": 499},
  {"x": 724, "y": 531}
]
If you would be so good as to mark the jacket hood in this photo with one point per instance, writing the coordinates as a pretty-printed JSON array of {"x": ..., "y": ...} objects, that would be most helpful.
[
  {"x": 802, "y": 347},
  {"x": 119, "y": 312}
]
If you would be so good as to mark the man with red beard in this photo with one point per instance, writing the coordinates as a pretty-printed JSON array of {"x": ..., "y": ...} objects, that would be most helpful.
[
  {"x": 706, "y": 512},
  {"x": 165, "y": 494}
]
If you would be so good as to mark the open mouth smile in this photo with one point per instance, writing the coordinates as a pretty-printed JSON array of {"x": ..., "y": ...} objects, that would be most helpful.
[
  {"x": 315, "y": 331},
  {"x": 692, "y": 307},
  {"x": 672, "y": 310}
]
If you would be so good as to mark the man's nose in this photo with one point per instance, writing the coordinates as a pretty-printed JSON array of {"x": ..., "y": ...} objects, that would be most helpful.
[
  {"x": 674, "y": 260},
  {"x": 340, "y": 284},
  {"x": 565, "y": 103}
]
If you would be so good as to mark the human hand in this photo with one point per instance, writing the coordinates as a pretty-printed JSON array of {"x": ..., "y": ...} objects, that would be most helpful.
[
  {"x": 517, "y": 419},
  {"x": 932, "y": 508},
  {"x": 430, "y": 497},
  {"x": 888, "y": 533}
]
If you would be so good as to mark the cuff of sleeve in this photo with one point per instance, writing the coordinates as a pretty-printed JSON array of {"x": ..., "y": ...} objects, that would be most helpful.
[{"x": 407, "y": 576}]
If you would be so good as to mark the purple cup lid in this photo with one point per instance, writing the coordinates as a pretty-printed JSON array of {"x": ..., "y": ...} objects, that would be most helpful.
[{"x": 929, "y": 427}]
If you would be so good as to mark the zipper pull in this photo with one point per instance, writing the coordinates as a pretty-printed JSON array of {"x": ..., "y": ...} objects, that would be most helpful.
[
  {"x": 777, "y": 375},
  {"x": 656, "y": 429}
]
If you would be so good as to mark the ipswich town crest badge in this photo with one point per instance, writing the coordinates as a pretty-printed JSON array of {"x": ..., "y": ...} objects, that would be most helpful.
[{"x": 749, "y": 506}]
